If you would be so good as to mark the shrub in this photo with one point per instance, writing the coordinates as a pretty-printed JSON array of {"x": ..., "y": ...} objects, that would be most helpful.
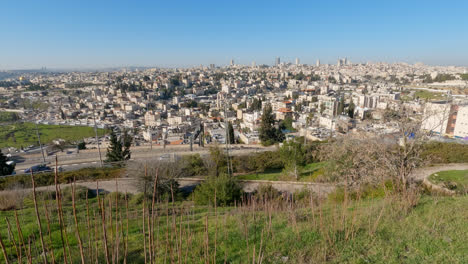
[
  {"x": 440, "y": 152},
  {"x": 367, "y": 191},
  {"x": 193, "y": 165},
  {"x": 137, "y": 199},
  {"x": 80, "y": 193},
  {"x": 227, "y": 191},
  {"x": 267, "y": 192},
  {"x": 45, "y": 179},
  {"x": 118, "y": 195},
  {"x": 11, "y": 200}
]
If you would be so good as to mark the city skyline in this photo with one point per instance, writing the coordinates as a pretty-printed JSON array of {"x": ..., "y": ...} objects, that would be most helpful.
[{"x": 60, "y": 35}]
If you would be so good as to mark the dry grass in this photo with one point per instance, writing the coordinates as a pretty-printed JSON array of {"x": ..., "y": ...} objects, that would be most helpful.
[{"x": 12, "y": 199}]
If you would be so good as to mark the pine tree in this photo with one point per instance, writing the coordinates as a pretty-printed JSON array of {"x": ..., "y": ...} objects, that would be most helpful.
[
  {"x": 268, "y": 133},
  {"x": 127, "y": 142},
  {"x": 232, "y": 140},
  {"x": 119, "y": 149},
  {"x": 5, "y": 169},
  {"x": 351, "y": 109}
]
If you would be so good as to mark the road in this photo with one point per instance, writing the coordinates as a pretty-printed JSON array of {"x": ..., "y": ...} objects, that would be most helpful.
[{"x": 90, "y": 158}]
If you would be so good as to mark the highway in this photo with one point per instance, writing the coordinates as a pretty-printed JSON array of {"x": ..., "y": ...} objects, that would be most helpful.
[{"x": 71, "y": 160}]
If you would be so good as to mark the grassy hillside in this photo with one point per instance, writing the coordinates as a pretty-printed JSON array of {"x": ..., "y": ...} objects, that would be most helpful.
[
  {"x": 389, "y": 229},
  {"x": 24, "y": 134}
]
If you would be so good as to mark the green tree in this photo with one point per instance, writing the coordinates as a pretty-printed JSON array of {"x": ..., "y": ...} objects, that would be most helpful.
[
  {"x": 293, "y": 156},
  {"x": 322, "y": 108},
  {"x": 341, "y": 107},
  {"x": 256, "y": 105},
  {"x": 119, "y": 148},
  {"x": 5, "y": 169},
  {"x": 268, "y": 133},
  {"x": 82, "y": 145},
  {"x": 287, "y": 124},
  {"x": 231, "y": 136},
  {"x": 351, "y": 109}
]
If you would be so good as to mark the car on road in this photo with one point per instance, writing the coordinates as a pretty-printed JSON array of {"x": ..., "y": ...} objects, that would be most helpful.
[{"x": 38, "y": 168}]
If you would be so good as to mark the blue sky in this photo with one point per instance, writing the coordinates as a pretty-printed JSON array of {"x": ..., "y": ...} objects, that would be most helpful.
[{"x": 101, "y": 33}]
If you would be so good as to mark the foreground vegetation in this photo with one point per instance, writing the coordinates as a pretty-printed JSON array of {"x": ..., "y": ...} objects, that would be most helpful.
[
  {"x": 376, "y": 214},
  {"x": 266, "y": 227},
  {"x": 20, "y": 135}
]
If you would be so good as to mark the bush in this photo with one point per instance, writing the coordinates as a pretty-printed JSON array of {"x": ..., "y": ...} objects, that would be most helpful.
[
  {"x": 227, "y": 191},
  {"x": 80, "y": 193},
  {"x": 440, "y": 152},
  {"x": 137, "y": 199},
  {"x": 45, "y": 179},
  {"x": 117, "y": 195},
  {"x": 267, "y": 192},
  {"x": 366, "y": 191},
  {"x": 193, "y": 165},
  {"x": 11, "y": 200}
]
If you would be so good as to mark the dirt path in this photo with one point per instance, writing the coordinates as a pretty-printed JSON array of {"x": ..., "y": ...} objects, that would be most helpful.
[
  {"x": 423, "y": 173},
  {"x": 129, "y": 185}
]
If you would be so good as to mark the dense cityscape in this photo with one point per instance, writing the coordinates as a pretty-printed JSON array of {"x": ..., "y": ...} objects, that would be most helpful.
[{"x": 168, "y": 106}]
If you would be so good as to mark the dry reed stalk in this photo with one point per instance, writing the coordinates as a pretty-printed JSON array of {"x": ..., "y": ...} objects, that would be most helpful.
[
  {"x": 260, "y": 253},
  {"x": 103, "y": 222},
  {"x": 144, "y": 215},
  {"x": 59, "y": 215},
  {"x": 18, "y": 252},
  {"x": 167, "y": 230},
  {"x": 46, "y": 210},
  {"x": 111, "y": 238},
  {"x": 225, "y": 238},
  {"x": 38, "y": 218},
  {"x": 67, "y": 244},
  {"x": 155, "y": 185},
  {"x": 207, "y": 241},
  {"x": 20, "y": 233},
  {"x": 117, "y": 237},
  {"x": 96, "y": 236},
  {"x": 180, "y": 238},
  {"x": 77, "y": 229},
  {"x": 216, "y": 228},
  {"x": 29, "y": 251},
  {"x": 173, "y": 227},
  {"x": 148, "y": 225},
  {"x": 253, "y": 255},
  {"x": 126, "y": 233},
  {"x": 5, "y": 256},
  {"x": 88, "y": 225}
]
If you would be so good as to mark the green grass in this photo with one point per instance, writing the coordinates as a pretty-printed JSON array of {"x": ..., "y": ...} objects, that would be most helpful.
[
  {"x": 308, "y": 173},
  {"x": 456, "y": 180},
  {"x": 433, "y": 231},
  {"x": 24, "y": 134},
  {"x": 422, "y": 94}
]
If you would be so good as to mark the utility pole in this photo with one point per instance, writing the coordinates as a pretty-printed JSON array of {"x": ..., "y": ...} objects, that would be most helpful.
[
  {"x": 151, "y": 139},
  {"x": 40, "y": 145},
  {"x": 226, "y": 127},
  {"x": 97, "y": 139}
]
